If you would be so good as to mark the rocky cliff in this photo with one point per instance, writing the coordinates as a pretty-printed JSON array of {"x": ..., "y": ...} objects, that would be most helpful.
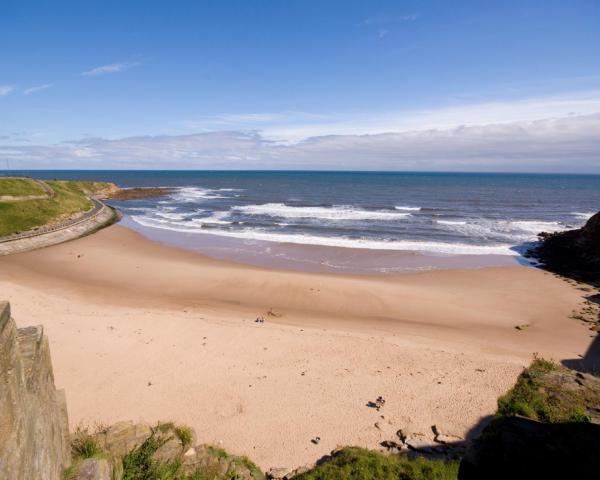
[
  {"x": 34, "y": 434},
  {"x": 574, "y": 253}
]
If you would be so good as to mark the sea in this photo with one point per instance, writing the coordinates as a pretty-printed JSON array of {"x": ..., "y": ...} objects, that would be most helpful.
[{"x": 356, "y": 222}]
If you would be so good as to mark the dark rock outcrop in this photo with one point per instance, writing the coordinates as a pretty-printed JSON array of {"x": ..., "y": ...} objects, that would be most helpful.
[
  {"x": 519, "y": 448},
  {"x": 573, "y": 253}
]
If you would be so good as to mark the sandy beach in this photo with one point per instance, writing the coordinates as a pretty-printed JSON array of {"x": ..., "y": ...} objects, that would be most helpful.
[{"x": 142, "y": 331}]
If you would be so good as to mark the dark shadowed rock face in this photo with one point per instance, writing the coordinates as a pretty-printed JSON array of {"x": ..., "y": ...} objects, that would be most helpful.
[
  {"x": 519, "y": 448},
  {"x": 573, "y": 253}
]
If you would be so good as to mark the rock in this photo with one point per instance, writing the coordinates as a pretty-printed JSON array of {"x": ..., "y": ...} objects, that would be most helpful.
[
  {"x": 391, "y": 446},
  {"x": 217, "y": 464},
  {"x": 516, "y": 447},
  {"x": 303, "y": 469},
  {"x": 442, "y": 438},
  {"x": 279, "y": 473},
  {"x": 190, "y": 452},
  {"x": 204, "y": 458},
  {"x": 34, "y": 439},
  {"x": 419, "y": 442},
  {"x": 445, "y": 439},
  {"x": 122, "y": 437},
  {"x": 94, "y": 469},
  {"x": 574, "y": 252},
  {"x": 171, "y": 450}
]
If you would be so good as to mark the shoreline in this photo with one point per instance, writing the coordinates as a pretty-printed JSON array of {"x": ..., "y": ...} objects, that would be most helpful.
[
  {"x": 317, "y": 258},
  {"x": 152, "y": 332}
]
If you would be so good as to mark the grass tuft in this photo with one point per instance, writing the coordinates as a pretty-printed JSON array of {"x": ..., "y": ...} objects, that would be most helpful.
[
  {"x": 534, "y": 396},
  {"x": 140, "y": 464},
  {"x": 83, "y": 445},
  {"x": 353, "y": 463},
  {"x": 184, "y": 434}
]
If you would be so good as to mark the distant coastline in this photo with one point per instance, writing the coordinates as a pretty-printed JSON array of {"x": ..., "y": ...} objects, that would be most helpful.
[{"x": 351, "y": 222}]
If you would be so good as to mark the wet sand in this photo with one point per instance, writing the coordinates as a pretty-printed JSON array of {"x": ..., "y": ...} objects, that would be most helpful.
[{"x": 143, "y": 331}]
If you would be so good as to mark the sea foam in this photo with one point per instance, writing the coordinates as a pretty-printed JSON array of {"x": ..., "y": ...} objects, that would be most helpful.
[{"x": 338, "y": 212}]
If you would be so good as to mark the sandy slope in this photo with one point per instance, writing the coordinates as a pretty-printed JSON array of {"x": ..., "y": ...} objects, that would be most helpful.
[{"x": 139, "y": 330}]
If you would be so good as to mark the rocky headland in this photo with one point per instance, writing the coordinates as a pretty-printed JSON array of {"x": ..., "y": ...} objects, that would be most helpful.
[{"x": 573, "y": 253}]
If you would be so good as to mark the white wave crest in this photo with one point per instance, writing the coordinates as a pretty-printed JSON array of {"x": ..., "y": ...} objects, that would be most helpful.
[
  {"x": 341, "y": 212},
  {"x": 193, "y": 194},
  {"x": 585, "y": 216},
  {"x": 341, "y": 242},
  {"x": 407, "y": 208},
  {"x": 504, "y": 230},
  {"x": 215, "y": 218},
  {"x": 451, "y": 222}
]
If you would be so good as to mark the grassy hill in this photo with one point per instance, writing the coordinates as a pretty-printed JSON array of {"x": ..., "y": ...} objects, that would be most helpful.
[
  {"x": 18, "y": 187},
  {"x": 70, "y": 198}
]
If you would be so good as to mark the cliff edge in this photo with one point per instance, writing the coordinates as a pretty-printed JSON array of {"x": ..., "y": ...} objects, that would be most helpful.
[{"x": 34, "y": 430}]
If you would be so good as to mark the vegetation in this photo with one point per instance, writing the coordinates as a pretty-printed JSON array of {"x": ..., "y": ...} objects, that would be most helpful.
[
  {"x": 83, "y": 445},
  {"x": 140, "y": 464},
  {"x": 234, "y": 461},
  {"x": 19, "y": 187},
  {"x": 536, "y": 396},
  {"x": 184, "y": 434},
  {"x": 353, "y": 463},
  {"x": 70, "y": 199}
]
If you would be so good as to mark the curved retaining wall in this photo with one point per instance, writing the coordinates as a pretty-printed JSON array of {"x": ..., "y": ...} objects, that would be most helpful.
[{"x": 96, "y": 218}]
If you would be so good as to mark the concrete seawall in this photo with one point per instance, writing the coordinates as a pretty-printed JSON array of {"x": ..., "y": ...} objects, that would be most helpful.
[{"x": 98, "y": 217}]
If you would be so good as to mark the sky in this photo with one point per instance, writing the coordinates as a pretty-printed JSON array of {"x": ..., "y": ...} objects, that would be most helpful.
[{"x": 311, "y": 84}]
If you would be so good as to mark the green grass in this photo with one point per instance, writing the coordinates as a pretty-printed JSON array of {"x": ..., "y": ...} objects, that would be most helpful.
[
  {"x": 83, "y": 446},
  {"x": 533, "y": 396},
  {"x": 184, "y": 434},
  {"x": 22, "y": 216},
  {"x": 19, "y": 187},
  {"x": 353, "y": 463},
  {"x": 140, "y": 464}
]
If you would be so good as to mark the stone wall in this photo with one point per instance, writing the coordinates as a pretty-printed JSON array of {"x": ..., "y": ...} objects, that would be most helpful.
[{"x": 34, "y": 434}]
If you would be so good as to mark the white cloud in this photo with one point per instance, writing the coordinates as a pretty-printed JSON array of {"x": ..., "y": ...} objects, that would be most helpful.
[
  {"x": 567, "y": 144},
  {"x": 6, "y": 89},
  {"x": 112, "y": 68},
  {"x": 448, "y": 117},
  {"x": 559, "y": 133},
  {"x": 29, "y": 91}
]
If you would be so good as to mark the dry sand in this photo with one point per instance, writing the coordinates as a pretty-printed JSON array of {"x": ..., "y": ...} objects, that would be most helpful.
[{"x": 143, "y": 331}]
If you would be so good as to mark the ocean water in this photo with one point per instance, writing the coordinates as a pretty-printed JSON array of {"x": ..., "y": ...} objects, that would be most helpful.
[{"x": 429, "y": 214}]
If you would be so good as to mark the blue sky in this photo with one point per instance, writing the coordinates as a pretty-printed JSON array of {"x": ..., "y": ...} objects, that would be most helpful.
[{"x": 399, "y": 85}]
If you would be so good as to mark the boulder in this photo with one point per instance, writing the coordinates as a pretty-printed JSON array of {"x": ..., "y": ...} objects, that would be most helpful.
[
  {"x": 216, "y": 463},
  {"x": 93, "y": 469},
  {"x": 279, "y": 473},
  {"x": 122, "y": 437},
  {"x": 574, "y": 252}
]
